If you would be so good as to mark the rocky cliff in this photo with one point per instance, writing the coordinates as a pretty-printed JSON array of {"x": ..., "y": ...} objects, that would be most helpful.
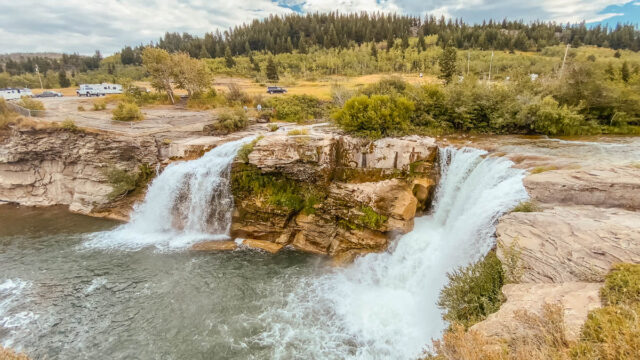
[
  {"x": 53, "y": 166},
  {"x": 331, "y": 194}
]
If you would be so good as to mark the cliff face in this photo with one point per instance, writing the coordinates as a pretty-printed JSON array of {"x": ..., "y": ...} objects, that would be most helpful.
[
  {"x": 52, "y": 166},
  {"x": 331, "y": 194}
]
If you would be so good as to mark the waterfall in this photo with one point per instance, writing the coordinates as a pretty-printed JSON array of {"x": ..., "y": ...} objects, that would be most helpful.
[
  {"x": 188, "y": 202},
  {"x": 384, "y": 305}
]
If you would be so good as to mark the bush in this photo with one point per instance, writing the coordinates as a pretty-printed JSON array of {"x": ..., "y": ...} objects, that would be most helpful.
[
  {"x": 81, "y": 108},
  {"x": 236, "y": 96},
  {"x": 295, "y": 132},
  {"x": 273, "y": 127},
  {"x": 295, "y": 108},
  {"x": 99, "y": 105},
  {"x": 370, "y": 218},
  {"x": 69, "y": 125},
  {"x": 7, "y": 116},
  {"x": 376, "y": 116},
  {"x": 246, "y": 149},
  {"x": 31, "y": 104},
  {"x": 393, "y": 85},
  {"x": 127, "y": 112},
  {"x": 230, "y": 121},
  {"x": 473, "y": 291},
  {"x": 124, "y": 182},
  {"x": 548, "y": 117}
]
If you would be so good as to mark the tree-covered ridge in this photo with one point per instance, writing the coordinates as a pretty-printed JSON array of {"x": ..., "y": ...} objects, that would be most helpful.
[{"x": 284, "y": 34}]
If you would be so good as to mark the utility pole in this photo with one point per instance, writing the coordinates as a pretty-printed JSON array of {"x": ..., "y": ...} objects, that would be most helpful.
[
  {"x": 468, "y": 60},
  {"x": 39, "y": 78},
  {"x": 490, "y": 65},
  {"x": 566, "y": 51}
]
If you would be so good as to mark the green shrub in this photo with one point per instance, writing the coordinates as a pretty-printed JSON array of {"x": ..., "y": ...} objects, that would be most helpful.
[
  {"x": 69, "y": 125},
  {"x": 124, "y": 182},
  {"x": 246, "y": 149},
  {"x": 550, "y": 118},
  {"x": 31, "y": 104},
  {"x": 526, "y": 206},
  {"x": 296, "y": 108},
  {"x": 393, "y": 85},
  {"x": 127, "y": 112},
  {"x": 7, "y": 116},
  {"x": 81, "y": 108},
  {"x": 622, "y": 285},
  {"x": 236, "y": 96},
  {"x": 99, "y": 105},
  {"x": 230, "y": 121},
  {"x": 376, "y": 116},
  {"x": 206, "y": 100},
  {"x": 473, "y": 291},
  {"x": 273, "y": 127},
  {"x": 295, "y": 132}
]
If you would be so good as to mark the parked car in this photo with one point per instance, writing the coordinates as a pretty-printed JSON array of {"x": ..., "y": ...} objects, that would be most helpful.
[
  {"x": 48, "y": 93},
  {"x": 276, "y": 90}
]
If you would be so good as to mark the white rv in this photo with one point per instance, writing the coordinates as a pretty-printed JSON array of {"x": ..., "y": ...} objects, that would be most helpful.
[
  {"x": 99, "y": 89},
  {"x": 14, "y": 94}
]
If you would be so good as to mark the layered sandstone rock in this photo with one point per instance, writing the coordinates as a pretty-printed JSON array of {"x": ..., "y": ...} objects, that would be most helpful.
[
  {"x": 602, "y": 187},
  {"x": 367, "y": 191},
  {"x": 50, "y": 167},
  {"x": 575, "y": 298},
  {"x": 575, "y": 243}
]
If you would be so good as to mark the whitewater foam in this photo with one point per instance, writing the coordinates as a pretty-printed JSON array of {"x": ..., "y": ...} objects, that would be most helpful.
[
  {"x": 11, "y": 294},
  {"x": 384, "y": 305},
  {"x": 188, "y": 202}
]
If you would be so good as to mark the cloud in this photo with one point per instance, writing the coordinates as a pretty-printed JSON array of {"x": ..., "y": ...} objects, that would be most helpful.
[{"x": 86, "y": 25}]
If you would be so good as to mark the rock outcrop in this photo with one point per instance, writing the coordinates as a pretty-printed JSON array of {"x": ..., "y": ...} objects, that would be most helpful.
[
  {"x": 576, "y": 299},
  {"x": 331, "y": 194},
  {"x": 602, "y": 187},
  {"x": 52, "y": 166},
  {"x": 570, "y": 243}
]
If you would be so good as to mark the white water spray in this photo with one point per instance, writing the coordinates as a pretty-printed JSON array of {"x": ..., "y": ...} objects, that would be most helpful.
[
  {"x": 384, "y": 305},
  {"x": 188, "y": 202}
]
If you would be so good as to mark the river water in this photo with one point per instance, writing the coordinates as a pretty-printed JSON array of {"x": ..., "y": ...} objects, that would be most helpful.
[{"x": 73, "y": 287}]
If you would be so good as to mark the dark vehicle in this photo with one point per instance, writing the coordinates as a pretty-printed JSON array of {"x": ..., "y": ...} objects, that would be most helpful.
[
  {"x": 276, "y": 90},
  {"x": 48, "y": 94}
]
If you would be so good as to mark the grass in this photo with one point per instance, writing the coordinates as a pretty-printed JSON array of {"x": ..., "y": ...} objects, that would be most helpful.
[
  {"x": 296, "y": 132},
  {"x": 124, "y": 182},
  {"x": 246, "y": 149},
  {"x": 526, "y": 206},
  {"x": 69, "y": 125},
  {"x": 541, "y": 169},
  {"x": 273, "y": 127},
  {"x": 31, "y": 104},
  {"x": 99, "y": 105}
]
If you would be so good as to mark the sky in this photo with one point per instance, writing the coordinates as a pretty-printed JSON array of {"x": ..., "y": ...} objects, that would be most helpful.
[{"x": 86, "y": 25}]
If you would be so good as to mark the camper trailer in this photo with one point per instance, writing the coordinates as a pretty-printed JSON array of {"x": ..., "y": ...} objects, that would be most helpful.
[
  {"x": 99, "y": 89},
  {"x": 14, "y": 94}
]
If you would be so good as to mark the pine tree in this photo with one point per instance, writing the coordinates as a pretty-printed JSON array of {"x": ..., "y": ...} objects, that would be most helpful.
[
  {"x": 302, "y": 44},
  {"x": 63, "y": 80},
  {"x": 625, "y": 74},
  {"x": 272, "y": 70},
  {"x": 228, "y": 59},
  {"x": 405, "y": 42},
  {"x": 447, "y": 62},
  {"x": 421, "y": 44},
  {"x": 203, "y": 53},
  {"x": 374, "y": 50},
  {"x": 390, "y": 42}
]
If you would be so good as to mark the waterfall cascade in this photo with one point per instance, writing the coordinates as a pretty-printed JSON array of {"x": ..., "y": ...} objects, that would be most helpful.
[
  {"x": 384, "y": 305},
  {"x": 188, "y": 202}
]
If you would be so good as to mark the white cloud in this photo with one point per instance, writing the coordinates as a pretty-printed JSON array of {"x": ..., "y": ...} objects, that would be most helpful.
[{"x": 86, "y": 25}]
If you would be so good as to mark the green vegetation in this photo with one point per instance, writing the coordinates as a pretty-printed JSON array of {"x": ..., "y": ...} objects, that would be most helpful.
[
  {"x": 541, "y": 169},
  {"x": 7, "y": 117},
  {"x": 610, "y": 333},
  {"x": 512, "y": 265},
  {"x": 99, "y": 105},
  {"x": 230, "y": 121},
  {"x": 473, "y": 291},
  {"x": 69, "y": 125},
  {"x": 273, "y": 127},
  {"x": 295, "y": 108},
  {"x": 370, "y": 218},
  {"x": 376, "y": 116},
  {"x": 31, "y": 104},
  {"x": 447, "y": 62},
  {"x": 126, "y": 111},
  {"x": 275, "y": 189},
  {"x": 526, "y": 206},
  {"x": 246, "y": 149},
  {"x": 124, "y": 182},
  {"x": 81, "y": 108},
  {"x": 295, "y": 132}
]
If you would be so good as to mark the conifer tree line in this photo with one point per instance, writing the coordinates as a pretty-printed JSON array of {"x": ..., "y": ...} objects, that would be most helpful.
[
  {"x": 284, "y": 34},
  {"x": 66, "y": 62}
]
